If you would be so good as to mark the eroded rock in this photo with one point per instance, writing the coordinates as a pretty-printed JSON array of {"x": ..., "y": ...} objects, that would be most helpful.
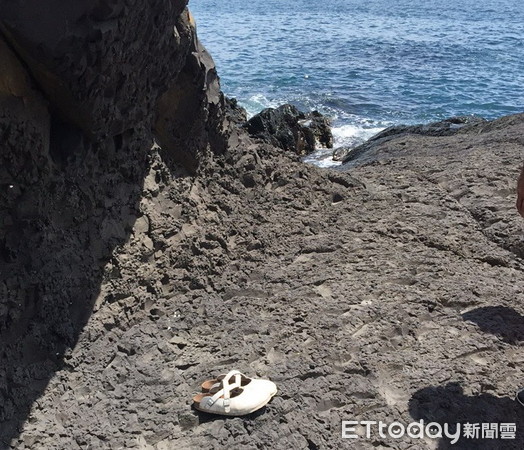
[
  {"x": 447, "y": 127},
  {"x": 190, "y": 114},
  {"x": 102, "y": 65}
]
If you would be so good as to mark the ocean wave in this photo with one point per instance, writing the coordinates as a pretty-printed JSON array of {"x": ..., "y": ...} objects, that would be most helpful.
[
  {"x": 257, "y": 103},
  {"x": 350, "y": 135}
]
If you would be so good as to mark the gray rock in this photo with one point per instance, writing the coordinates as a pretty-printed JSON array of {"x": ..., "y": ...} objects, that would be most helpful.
[
  {"x": 421, "y": 248},
  {"x": 98, "y": 62},
  {"x": 392, "y": 291},
  {"x": 190, "y": 114},
  {"x": 447, "y": 127},
  {"x": 234, "y": 112}
]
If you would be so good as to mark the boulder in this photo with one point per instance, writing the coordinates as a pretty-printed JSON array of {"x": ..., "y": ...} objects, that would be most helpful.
[
  {"x": 290, "y": 129},
  {"x": 321, "y": 127},
  {"x": 341, "y": 153}
]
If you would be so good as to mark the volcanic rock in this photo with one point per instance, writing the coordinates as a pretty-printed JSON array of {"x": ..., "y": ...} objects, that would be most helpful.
[
  {"x": 234, "y": 112},
  {"x": 185, "y": 111},
  {"x": 288, "y": 128},
  {"x": 445, "y": 127},
  {"x": 98, "y": 62},
  {"x": 389, "y": 290}
]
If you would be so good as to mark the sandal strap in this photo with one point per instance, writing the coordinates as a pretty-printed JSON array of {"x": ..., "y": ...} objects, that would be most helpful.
[
  {"x": 232, "y": 373},
  {"x": 237, "y": 374},
  {"x": 226, "y": 389}
]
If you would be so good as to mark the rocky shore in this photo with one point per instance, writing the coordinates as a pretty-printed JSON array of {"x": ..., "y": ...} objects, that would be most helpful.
[{"x": 147, "y": 243}]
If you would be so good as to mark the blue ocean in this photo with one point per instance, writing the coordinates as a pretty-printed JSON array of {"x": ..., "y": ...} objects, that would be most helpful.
[{"x": 369, "y": 64}]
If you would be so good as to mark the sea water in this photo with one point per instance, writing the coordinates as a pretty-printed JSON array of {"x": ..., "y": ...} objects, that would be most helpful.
[{"x": 368, "y": 64}]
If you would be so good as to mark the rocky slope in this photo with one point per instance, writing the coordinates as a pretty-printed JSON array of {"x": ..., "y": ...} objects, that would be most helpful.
[
  {"x": 85, "y": 90},
  {"x": 130, "y": 272}
]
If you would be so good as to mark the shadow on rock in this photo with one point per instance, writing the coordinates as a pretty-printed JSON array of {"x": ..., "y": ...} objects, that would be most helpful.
[
  {"x": 62, "y": 213},
  {"x": 499, "y": 320},
  {"x": 204, "y": 417},
  {"x": 449, "y": 405},
  {"x": 75, "y": 139}
]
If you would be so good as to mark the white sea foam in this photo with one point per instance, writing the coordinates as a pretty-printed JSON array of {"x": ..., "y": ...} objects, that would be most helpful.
[
  {"x": 345, "y": 135},
  {"x": 322, "y": 158},
  {"x": 349, "y": 130},
  {"x": 351, "y": 135},
  {"x": 257, "y": 103}
]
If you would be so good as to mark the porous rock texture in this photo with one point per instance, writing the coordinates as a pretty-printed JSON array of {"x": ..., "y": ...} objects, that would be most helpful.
[
  {"x": 389, "y": 290},
  {"x": 79, "y": 98},
  {"x": 92, "y": 59},
  {"x": 190, "y": 115}
]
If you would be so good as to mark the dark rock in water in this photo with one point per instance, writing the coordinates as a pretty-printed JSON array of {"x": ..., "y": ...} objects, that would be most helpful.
[
  {"x": 234, "y": 112},
  {"x": 341, "y": 153},
  {"x": 321, "y": 127},
  {"x": 447, "y": 127},
  {"x": 290, "y": 129}
]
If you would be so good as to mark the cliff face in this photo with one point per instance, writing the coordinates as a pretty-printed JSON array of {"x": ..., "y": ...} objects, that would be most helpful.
[
  {"x": 85, "y": 90},
  {"x": 103, "y": 66}
]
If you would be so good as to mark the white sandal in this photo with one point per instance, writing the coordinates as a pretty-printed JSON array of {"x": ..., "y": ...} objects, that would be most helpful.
[
  {"x": 236, "y": 397},
  {"x": 215, "y": 384}
]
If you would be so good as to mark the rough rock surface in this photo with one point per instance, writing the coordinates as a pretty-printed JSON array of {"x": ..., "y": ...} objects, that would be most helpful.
[
  {"x": 234, "y": 112},
  {"x": 190, "y": 113},
  {"x": 390, "y": 291},
  {"x": 288, "y": 128},
  {"x": 74, "y": 160},
  {"x": 92, "y": 59},
  {"x": 393, "y": 292}
]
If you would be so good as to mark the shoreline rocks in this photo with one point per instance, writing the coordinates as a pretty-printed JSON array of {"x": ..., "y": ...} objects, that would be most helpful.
[
  {"x": 129, "y": 272},
  {"x": 290, "y": 129},
  {"x": 447, "y": 127}
]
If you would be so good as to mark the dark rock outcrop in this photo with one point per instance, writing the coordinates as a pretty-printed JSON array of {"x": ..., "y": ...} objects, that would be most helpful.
[
  {"x": 288, "y": 128},
  {"x": 190, "y": 114},
  {"x": 102, "y": 65},
  {"x": 81, "y": 90},
  {"x": 304, "y": 276},
  {"x": 234, "y": 112},
  {"x": 123, "y": 285},
  {"x": 446, "y": 127},
  {"x": 111, "y": 67}
]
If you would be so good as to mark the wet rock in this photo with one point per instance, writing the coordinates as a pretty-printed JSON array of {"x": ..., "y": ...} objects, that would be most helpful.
[
  {"x": 288, "y": 128},
  {"x": 341, "y": 153},
  {"x": 321, "y": 127}
]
